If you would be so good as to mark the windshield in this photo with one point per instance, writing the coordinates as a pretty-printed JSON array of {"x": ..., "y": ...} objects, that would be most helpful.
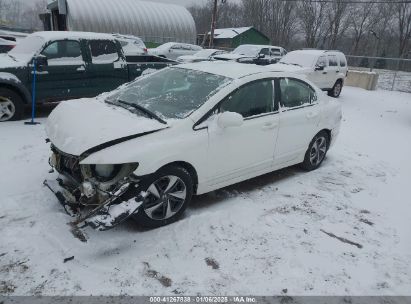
[
  {"x": 165, "y": 46},
  {"x": 27, "y": 47},
  {"x": 299, "y": 58},
  {"x": 170, "y": 93},
  {"x": 247, "y": 50}
]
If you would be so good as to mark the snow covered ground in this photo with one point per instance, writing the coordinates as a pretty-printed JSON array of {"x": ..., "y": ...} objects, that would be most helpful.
[{"x": 343, "y": 229}]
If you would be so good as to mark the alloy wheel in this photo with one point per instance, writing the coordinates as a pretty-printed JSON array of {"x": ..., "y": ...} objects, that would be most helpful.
[
  {"x": 337, "y": 89},
  {"x": 7, "y": 109},
  {"x": 318, "y": 150},
  {"x": 165, "y": 197}
]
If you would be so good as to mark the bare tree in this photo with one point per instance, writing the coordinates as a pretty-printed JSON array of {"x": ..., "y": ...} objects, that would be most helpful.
[
  {"x": 403, "y": 18},
  {"x": 362, "y": 19},
  {"x": 312, "y": 20}
]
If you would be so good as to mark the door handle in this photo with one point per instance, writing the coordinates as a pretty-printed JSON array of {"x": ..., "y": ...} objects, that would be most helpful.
[
  {"x": 337, "y": 71},
  {"x": 269, "y": 125},
  {"x": 324, "y": 72},
  {"x": 310, "y": 115}
]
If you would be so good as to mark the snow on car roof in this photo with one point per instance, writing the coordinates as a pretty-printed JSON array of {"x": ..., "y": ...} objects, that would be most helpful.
[
  {"x": 55, "y": 35},
  {"x": 226, "y": 33},
  {"x": 223, "y": 68},
  {"x": 315, "y": 52}
]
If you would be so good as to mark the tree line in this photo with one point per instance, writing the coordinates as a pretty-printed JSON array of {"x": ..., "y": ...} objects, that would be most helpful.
[
  {"x": 15, "y": 14},
  {"x": 367, "y": 29}
]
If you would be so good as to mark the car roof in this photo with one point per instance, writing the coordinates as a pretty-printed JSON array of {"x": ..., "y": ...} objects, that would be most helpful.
[
  {"x": 262, "y": 46},
  {"x": 228, "y": 69},
  {"x": 56, "y": 35},
  {"x": 317, "y": 52}
]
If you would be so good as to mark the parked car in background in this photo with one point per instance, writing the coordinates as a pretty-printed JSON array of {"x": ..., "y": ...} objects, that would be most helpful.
[
  {"x": 183, "y": 131},
  {"x": 6, "y": 45},
  {"x": 327, "y": 69},
  {"x": 258, "y": 54},
  {"x": 203, "y": 55},
  {"x": 132, "y": 45},
  {"x": 173, "y": 50},
  {"x": 69, "y": 65}
]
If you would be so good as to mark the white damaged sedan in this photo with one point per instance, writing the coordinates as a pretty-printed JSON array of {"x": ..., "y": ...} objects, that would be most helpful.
[{"x": 145, "y": 149}]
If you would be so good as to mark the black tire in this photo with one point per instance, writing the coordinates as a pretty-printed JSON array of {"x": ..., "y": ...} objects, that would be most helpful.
[
  {"x": 310, "y": 161},
  {"x": 165, "y": 199},
  {"x": 14, "y": 104},
  {"x": 337, "y": 89}
]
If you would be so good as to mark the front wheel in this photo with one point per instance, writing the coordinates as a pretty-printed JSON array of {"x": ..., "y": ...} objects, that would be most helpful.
[
  {"x": 336, "y": 90},
  {"x": 316, "y": 151},
  {"x": 167, "y": 194}
]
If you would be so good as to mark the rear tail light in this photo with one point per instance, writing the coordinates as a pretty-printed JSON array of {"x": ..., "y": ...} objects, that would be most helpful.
[{"x": 145, "y": 50}]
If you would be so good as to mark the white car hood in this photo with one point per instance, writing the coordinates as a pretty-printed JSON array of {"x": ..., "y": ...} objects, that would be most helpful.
[
  {"x": 7, "y": 62},
  {"x": 76, "y": 126},
  {"x": 230, "y": 56},
  {"x": 280, "y": 67}
]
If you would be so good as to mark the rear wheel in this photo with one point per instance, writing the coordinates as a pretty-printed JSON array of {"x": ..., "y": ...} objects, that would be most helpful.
[
  {"x": 11, "y": 105},
  {"x": 167, "y": 194},
  {"x": 316, "y": 151},
  {"x": 336, "y": 90}
]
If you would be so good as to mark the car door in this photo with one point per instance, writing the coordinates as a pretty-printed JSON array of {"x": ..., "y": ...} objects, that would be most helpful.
[
  {"x": 108, "y": 69},
  {"x": 319, "y": 74},
  {"x": 65, "y": 75},
  {"x": 299, "y": 117},
  {"x": 246, "y": 150},
  {"x": 333, "y": 70}
]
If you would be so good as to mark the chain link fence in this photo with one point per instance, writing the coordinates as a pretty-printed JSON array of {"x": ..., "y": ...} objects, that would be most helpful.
[{"x": 394, "y": 73}]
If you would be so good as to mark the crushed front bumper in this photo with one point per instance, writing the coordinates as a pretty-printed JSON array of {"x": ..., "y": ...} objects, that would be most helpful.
[{"x": 118, "y": 205}]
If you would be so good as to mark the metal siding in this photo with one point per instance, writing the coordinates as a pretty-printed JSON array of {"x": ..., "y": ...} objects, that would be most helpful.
[{"x": 154, "y": 22}]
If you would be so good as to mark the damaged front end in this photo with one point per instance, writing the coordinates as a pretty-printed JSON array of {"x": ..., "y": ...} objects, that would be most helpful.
[{"x": 100, "y": 196}]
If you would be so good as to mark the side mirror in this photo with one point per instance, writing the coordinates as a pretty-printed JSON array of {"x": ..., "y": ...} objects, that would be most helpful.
[
  {"x": 230, "y": 119},
  {"x": 261, "y": 56},
  {"x": 319, "y": 68},
  {"x": 41, "y": 61}
]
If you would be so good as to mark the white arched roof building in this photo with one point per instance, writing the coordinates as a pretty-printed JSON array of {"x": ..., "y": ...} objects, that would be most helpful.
[{"x": 153, "y": 22}]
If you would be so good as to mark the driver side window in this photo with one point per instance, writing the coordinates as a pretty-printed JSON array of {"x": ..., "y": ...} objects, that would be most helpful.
[
  {"x": 64, "y": 52},
  {"x": 252, "y": 99},
  {"x": 322, "y": 62}
]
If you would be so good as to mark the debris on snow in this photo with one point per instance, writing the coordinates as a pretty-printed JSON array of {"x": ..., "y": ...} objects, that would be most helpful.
[
  {"x": 68, "y": 259},
  {"x": 344, "y": 240},
  {"x": 212, "y": 263}
]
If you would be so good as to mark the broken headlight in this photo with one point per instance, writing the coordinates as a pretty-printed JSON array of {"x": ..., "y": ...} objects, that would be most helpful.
[{"x": 105, "y": 173}]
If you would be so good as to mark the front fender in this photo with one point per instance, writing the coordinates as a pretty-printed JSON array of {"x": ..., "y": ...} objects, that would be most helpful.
[
  {"x": 156, "y": 150},
  {"x": 11, "y": 81}
]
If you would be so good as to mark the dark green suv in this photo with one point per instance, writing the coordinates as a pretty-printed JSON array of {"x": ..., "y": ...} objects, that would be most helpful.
[{"x": 69, "y": 65}]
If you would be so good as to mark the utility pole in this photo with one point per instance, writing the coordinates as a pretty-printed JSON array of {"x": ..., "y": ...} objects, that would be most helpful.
[{"x": 213, "y": 25}]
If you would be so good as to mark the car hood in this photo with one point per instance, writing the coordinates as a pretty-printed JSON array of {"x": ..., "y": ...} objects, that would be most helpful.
[
  {"x": 281, "y": 67},
  {"x": 230, "y": 56},
  {"x": 76, "y": 126},
  {"x": 8, "y": 62}
]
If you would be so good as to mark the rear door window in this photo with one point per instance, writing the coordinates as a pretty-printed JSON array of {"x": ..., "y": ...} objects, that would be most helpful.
[
  {"x": 296, "y": 93},
  {"x": 103, "y": 51},
  {"x": 332, "y": 59}
]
